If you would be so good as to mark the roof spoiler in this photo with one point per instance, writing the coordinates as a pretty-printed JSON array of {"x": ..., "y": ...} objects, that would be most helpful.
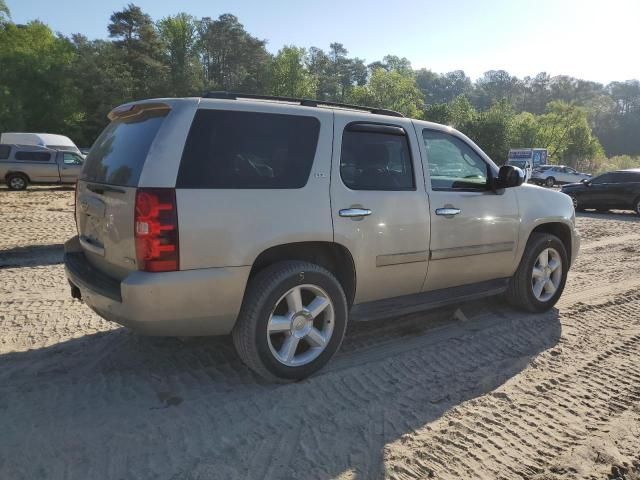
[{"x": 129, "y": 110}]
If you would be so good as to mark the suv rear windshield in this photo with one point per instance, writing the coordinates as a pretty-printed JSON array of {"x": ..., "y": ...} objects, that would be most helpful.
[
  {"x": 118, "y": 155},
  {"x": 232, "y": 149}
]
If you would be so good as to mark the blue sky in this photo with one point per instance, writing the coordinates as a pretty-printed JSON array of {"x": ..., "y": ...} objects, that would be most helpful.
[{"x": 594, "y": 40}]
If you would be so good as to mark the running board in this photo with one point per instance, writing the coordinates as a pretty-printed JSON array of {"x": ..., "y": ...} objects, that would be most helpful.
[{"x": 418, "y": 302}]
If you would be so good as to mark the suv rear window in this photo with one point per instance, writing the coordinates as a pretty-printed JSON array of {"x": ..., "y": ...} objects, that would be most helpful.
[
  {"x": 231, "y": 149},
  {"x": 118, "y": 155}
]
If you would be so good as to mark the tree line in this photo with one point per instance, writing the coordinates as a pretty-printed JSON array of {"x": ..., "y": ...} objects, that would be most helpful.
[{"x": 59, "y": 84}]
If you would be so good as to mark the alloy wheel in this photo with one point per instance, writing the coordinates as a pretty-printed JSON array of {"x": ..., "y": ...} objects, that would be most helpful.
[
  {"x": 301, "y": 325},
  {"x": 547, "y": 274},
  {"x": 17, "y": 183}
]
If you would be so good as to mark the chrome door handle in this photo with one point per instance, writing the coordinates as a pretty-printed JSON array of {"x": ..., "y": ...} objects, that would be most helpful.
[
  {"x": 447, "y": 211},
  {"x": 355, "y": 212}
]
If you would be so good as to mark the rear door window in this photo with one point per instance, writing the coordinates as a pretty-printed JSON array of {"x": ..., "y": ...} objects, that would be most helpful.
[
  {"x": 118, "y": 155},
  {"x": 33, "y": 156},
  {"x": 248, "y": 150},
  {"x": 376, "y": 158},
  {"x": 5, "y": 150}
]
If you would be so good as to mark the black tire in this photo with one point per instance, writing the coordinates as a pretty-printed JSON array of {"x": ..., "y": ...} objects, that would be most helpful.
[
  {"x": 520, "y": 291},
  {"x": 550, "y": 182},
  {"x": 17, "y": 181},
  {"x": 636, "y": 204},
  {"x": 262, "y": 295}
]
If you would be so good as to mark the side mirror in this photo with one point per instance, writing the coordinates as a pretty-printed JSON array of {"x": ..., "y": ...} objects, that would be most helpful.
[{"x": 509, "y": 176}]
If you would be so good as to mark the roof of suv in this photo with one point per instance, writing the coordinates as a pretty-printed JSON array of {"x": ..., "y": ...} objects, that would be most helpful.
[{"x": 381, "y": 115}]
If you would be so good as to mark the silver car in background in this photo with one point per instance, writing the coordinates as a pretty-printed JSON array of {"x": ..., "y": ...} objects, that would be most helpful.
[
  {"x": 21, "y": 165},
  {"x": 550, "y": 175}
]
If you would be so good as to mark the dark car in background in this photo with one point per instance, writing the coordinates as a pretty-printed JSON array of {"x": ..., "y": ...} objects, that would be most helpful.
[{"x": 618, "y": 190}]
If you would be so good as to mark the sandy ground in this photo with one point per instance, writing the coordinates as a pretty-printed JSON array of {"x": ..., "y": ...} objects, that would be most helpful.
[{"x": 491, "y": 394}]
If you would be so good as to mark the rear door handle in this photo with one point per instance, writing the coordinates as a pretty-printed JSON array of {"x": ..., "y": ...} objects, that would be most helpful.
[
  {"x": 355, "y": 212},
  {"x": 447, "y": 211}
]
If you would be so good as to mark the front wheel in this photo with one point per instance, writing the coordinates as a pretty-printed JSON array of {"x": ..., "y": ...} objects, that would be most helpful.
[
  {"x": 637, "y": 205},
  {"x": 550, "y": 182},
  {"x": 292, "y": 321},
  {"x": 541, "y": 275}
]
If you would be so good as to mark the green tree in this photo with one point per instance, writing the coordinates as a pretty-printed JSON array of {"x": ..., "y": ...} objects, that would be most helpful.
[
  {"x": 564, "y": 129},
  {"x": 289, "y": 75},
  {"x": 491, "y": 130},
  {"x": 141, "y": 49},
  {"x": 5, "y": 14},
  {"x": 36, "y": 84},
  {"x": 101, "y": 83},
  {"x": 392, "y": 90},
  {"x": 178, "y": 34},
  {"x": 232, "y": 59}
]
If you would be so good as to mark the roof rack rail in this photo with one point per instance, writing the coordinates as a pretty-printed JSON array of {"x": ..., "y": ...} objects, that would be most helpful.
[{"x": 305, "y": 102}]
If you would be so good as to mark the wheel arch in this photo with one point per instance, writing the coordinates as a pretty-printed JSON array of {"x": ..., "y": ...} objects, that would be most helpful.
[
  {"x": 558, "y": 229},
  {"x": 330, "y": 255},
  {"x": 17, "y": 172}
]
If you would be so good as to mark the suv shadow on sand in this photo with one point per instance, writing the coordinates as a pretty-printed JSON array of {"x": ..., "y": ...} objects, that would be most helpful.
[{"x": 119, "y": 405}]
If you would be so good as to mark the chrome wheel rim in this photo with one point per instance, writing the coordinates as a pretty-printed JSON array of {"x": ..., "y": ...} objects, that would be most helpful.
[
  {"x": 546, "y": 275},
  {"x": 300, "y": 325},
  {"x": 17, "y": 183}
]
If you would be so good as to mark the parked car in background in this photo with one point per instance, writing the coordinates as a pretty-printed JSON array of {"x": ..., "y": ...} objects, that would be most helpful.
[
  {"x": 276, "y": 221},
  {"x": 49, "y": 140},
  {"x": 550, "y": 175},
  {"x": 618, "y": 190},
  {"x": 21, "y": 165}
]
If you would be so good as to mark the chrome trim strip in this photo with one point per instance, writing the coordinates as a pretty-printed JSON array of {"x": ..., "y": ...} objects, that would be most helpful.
[
  {"x": 455, "y": 252},
  {"x": 399, "y": 258}
]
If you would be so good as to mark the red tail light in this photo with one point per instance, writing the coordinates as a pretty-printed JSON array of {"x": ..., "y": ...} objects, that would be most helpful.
[{"x": 156, "y": 230}]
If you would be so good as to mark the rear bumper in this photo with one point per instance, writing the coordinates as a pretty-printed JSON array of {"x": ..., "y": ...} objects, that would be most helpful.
[{"x": 184, "y": 303}]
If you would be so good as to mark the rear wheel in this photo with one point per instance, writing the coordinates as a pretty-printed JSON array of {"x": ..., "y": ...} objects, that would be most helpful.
[
  {"x": 17, "y": 181},
  {"x": 550, "y": 182},
  {"x": 637, "y": 205},
  {"x": 541, "y": 275},
  {"x": 292, "y": 321}
]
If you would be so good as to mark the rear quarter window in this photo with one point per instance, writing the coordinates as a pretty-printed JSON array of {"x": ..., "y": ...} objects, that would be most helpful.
[
  {"x": 248, "y": 150},
  {"x": 118, "y": 155}
]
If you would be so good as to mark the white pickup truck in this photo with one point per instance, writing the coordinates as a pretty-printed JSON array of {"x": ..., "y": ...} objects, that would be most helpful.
[{"x": 21, "y": 165}]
